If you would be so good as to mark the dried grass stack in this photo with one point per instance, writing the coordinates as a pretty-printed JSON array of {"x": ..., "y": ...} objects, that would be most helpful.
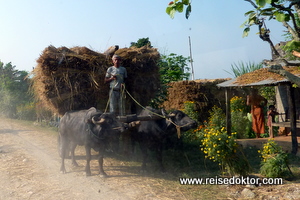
[
  {"x": 73, "y": 79},
  {"x": 204, "y": 93}
]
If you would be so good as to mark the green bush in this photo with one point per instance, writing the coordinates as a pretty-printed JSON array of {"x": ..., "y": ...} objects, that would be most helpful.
[
  {"x": 217, "y": 118},
  {"x": 239, "y": 119},
  {"x": 220, "y": 147},
  {"x": 190, "y": 110},
  {"x": 274, "y": 162}
]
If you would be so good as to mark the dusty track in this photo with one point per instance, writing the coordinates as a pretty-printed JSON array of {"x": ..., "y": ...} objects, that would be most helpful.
[{"x": 30, "y": 164}]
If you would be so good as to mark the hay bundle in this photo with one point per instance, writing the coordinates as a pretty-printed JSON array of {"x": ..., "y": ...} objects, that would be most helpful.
[
  {"x": 204, "y": 93},
  {"x": 73, "y": 79}
]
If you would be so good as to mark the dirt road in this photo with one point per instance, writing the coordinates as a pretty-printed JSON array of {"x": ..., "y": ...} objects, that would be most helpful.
[{"x": 29, "y": 169}]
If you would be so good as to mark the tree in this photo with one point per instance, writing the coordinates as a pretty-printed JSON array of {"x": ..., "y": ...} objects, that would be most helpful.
[
  {"x": 172, "y": 67},
  {"x": 286, "y": 12},
  {"x": 141, "y": 42},
  {"x": 13, "y": 89}
]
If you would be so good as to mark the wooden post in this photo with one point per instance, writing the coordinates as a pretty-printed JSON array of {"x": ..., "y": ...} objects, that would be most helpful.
[
  {"x": 228, "y": 112},
  {"x": 292, "y": 111}
]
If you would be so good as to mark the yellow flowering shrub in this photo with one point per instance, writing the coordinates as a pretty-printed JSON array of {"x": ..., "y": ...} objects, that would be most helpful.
[
  {"x": 217, "y": 145},
  {"x": 274, "y": 161},
  {"x": 237, "y": 104},
  {"x": 220, "y": 147}
]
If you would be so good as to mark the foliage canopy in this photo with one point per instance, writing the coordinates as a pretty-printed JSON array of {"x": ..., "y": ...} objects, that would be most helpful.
[{"x": 13, "y": 89}]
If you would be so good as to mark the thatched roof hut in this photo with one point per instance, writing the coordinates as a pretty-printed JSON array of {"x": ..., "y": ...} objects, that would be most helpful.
[
  {"x": 281, "y": 77},
  {"x": 73, "y": 78},
  {"x": 263, "y": 76}
]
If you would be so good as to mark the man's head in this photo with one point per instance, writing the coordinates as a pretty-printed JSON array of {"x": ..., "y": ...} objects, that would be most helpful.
[
  {"x": 271, "y": 107},
  {"x": 116, "y": 60}
]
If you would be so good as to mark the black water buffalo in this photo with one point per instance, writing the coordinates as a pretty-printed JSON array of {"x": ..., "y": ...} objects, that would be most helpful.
[
  {"x": 90, "y": 128},
  {"x": 151, "y": 134}
]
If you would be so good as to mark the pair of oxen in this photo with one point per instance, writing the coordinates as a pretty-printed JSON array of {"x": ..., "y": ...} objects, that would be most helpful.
[{"x": 93, "y": 130}]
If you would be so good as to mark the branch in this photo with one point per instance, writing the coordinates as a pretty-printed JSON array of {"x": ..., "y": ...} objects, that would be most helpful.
[
  {"x": 279, "y": 61},
  {"x": 288, "y": 10},
  {"x": 264, "y": 35},
  {"x": 253, "y": 4},
  {"x": 291, "y": 30},
  {"x": 289, "y": 76}
]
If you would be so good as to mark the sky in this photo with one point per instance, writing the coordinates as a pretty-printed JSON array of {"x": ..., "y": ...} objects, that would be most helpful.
[{"x": 214, "y": 27}]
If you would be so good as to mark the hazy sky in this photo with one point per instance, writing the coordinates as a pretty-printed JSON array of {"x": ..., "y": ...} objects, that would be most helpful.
[{"x": 29, "y": 26}]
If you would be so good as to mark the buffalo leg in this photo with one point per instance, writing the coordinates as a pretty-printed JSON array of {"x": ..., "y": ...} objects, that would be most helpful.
[
  {"x": 63, "y": 154},
  {"x": 73, "y": 146},
  {"x": 145, "y": 156},
  {"x": 88, "y": 160},
  {"x": 100, "y": 161},
  {"x": 159, "y": 158}
]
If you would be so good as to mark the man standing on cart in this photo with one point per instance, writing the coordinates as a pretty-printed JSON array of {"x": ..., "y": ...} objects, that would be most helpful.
[{"x": 115, "y": 76}]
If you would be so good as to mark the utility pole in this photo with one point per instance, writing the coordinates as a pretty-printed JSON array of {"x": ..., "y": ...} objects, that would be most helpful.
[{"x": 191, "y": 59}]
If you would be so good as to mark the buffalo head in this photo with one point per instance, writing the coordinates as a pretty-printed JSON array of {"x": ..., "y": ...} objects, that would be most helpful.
[
  {"x": 107, "y": 124},
  {"x": 181, "y": 120}
]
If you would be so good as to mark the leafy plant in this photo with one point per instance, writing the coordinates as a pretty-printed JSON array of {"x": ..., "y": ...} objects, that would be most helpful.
[
  {"x": 217, "y": 118},
  {"x": 239, "y": 119},
  {"x": 241, "y": 68},
  {"x": 172, "y": 67},
  {"x": 268, "y": 93},
  {"x": 274, "y": 161},
  {"x": 178, "y": 6},
  {"x": 220, "y": 147},
  {"x": 190, "y": 110}
]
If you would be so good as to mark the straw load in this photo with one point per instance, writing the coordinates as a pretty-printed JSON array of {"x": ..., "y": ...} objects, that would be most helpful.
[
  {"x": 204, "y": 94},
  {"x": 73, "y": 78}
]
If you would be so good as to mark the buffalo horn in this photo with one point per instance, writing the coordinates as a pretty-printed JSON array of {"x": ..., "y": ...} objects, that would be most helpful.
[
  {"x": 97, "y": 122},
  {"x": 172, "y": 115},
  {"x": 164, "y": 113}
]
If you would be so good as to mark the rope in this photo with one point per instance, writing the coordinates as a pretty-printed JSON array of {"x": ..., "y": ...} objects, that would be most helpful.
[
  {"x": 121, "y": 96},
  {"x": 162, "y": 116},
  {"x": 109, "y": 96}
]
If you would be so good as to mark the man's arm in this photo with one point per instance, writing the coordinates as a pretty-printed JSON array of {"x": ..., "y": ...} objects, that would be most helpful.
[{"x": 109, "y": 79}]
